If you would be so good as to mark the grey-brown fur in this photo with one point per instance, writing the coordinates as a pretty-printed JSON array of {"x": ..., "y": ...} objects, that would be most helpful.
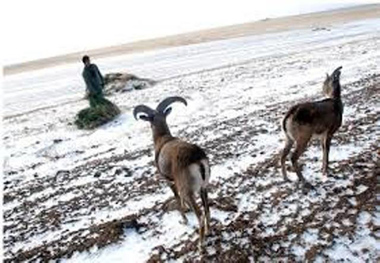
[
  {"x": 306, "y": 120},
  {"x": 184, "y": 165}
]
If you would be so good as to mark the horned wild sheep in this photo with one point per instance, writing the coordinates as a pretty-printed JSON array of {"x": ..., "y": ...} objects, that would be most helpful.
[{"x": 184, "y": 165}]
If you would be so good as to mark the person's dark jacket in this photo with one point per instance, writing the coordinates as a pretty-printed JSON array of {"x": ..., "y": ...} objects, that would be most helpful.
[{"x": 93, "y": 78}]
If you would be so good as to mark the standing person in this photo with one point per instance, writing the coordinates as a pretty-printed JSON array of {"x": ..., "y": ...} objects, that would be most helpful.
[{"x": 94, "y": 81}]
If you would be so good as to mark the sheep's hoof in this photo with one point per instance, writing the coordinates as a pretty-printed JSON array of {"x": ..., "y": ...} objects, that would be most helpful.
[
  {"x": 184, "y": 220},
  {"x": 201, "y": 247},
  {"x": 207, "y": 229}
]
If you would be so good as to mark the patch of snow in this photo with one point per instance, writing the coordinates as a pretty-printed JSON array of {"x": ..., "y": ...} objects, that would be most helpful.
[{"x": 361, "y": 189}]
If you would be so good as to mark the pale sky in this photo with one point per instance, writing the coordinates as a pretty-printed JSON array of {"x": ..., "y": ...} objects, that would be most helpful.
[{"x": 35, "y": 29}]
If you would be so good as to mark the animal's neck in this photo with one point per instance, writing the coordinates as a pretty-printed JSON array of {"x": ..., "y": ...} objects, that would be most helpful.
[
  {"x": 336, "y": 90},
  {"x": 158, "y": 144},
  {"x": 339, "y": 105},
  {"x": 161, "y": 134}
]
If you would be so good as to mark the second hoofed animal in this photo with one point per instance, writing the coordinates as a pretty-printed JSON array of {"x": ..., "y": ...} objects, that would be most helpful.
[
  {"x": 183, "y": 164},
  {"x": 306, "y": 120}
]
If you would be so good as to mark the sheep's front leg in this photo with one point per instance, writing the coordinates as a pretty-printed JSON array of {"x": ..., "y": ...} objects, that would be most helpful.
[{"x": 326, "y": 150}]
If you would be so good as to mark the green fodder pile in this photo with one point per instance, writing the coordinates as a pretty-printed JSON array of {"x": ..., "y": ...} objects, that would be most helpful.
[{"x": 92, "y": 117}]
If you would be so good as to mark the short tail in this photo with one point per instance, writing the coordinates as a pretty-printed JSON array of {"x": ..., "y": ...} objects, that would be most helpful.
[
  {"x": 202, "y": 171},
  {"x": 284, "y": 121},
  {"x": 290, "y": 112}
]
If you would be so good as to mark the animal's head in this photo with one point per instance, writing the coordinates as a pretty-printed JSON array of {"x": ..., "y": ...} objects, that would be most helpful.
[
  {"x": 157, "y": 117},
  {"x": 331, "y": 85}
]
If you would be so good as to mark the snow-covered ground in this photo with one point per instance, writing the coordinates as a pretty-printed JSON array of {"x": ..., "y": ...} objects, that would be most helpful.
[
  {"x": 53, "y": 86},
  {"x": 94, "y": 196}
]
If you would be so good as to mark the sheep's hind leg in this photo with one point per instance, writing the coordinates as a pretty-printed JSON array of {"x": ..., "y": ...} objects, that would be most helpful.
[
  {"x": 179, "y": 203},
  {"x": 197, "y": 211},
  {"x": 300, "y": 148},
  {"x": 206, "y": 209},
  {"x": 288, "y": 145}
]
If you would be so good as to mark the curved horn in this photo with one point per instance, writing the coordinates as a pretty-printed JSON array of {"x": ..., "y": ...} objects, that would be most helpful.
[
  {"x": 336, "y": 72},
  {"x": 166, "y": 102},
  {"x": 143, "y": 109}
]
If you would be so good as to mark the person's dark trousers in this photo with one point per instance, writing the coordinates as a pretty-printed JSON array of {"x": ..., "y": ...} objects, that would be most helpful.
[{"x": 95, "y": 99}]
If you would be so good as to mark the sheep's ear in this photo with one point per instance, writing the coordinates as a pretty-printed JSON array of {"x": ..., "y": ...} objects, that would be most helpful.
[
  {"x": 336, "y": 75},
  {"x": 145, "y": 117},
  {"x": 167, "y": 111}
]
